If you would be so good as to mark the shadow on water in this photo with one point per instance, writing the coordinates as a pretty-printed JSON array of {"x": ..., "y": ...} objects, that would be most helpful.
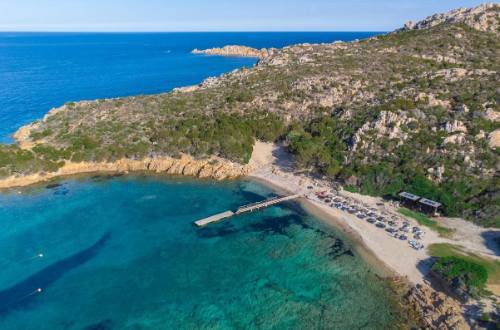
[
  {"x": 217, "y": 230},
  {"x": 277, "y": 225},
  {"x": 338, "y": 249},
  {"x": 102, "y": 325},
  {"x": 53, "y": 186},
  {"x": 271, "y": 225},
  {"x": 58, "y": 189},
  {"x": 105, "y": 177},
  {"x": 23, "y": 293}
]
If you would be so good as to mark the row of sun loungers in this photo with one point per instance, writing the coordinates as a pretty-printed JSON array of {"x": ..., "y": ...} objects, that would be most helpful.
[{"x": 394, "y": 225}]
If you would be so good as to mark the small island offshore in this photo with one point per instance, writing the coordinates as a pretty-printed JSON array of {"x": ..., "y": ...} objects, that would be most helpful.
[
  {"x": 348, "y": 125},
  {"x": 240, "y": 51}
]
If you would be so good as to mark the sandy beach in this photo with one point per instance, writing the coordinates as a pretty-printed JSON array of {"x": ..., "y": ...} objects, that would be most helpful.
[{"x": 272, "y": 165}]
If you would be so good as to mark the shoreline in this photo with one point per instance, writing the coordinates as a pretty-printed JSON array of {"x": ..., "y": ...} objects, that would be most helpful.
[
  {"x": 315, "y": 210},
  {"x": 213, "y": 168},
  {"x": 169, "y": 167},
  {"x": 187, "y": 166}
]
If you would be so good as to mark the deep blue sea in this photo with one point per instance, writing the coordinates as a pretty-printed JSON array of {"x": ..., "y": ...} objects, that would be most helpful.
[
  {"x": 121, "y": 252},
  {"x": 40, "y": 71}
]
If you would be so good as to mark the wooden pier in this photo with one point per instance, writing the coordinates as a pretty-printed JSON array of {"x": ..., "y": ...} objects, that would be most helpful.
[
  {"x": 243, "y": 209},
  {"x": 214, "y": 218},
  {"x": 264, "y": 204}
]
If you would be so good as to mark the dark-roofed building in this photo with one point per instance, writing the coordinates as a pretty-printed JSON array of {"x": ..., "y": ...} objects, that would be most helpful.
[
  {"x": 408, "y": 199},
  {"x": 429, "y": 206}
]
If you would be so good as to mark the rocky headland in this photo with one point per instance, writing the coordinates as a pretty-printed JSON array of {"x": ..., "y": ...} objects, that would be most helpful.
[{"x": 482, "y": 18}]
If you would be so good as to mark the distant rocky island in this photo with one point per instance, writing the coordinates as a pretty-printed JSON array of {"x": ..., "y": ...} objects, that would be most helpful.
[{"x": 233, "y": 50}]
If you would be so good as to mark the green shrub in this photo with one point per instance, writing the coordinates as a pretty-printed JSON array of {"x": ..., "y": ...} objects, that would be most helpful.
[{"x": 468, "y": 278}]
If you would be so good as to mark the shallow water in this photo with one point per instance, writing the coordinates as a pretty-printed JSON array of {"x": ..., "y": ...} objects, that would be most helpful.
[{"x": 122, "y": 253}]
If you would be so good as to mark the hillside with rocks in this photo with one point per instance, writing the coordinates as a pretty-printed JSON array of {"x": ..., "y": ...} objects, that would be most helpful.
[{"x": 416, "y": 109}]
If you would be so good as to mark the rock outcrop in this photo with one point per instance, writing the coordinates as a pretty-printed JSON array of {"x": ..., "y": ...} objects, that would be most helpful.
[
  {"x": 240, "y": 51},
  {"x": 388, "y": 124},
  {"x": 213, "y": 168},
  {"x": 455, "y": 127},
  {"x": 494, "y": 139},
  {"x": 485, "y": 18},
  {"x": 435, "y": 309}
]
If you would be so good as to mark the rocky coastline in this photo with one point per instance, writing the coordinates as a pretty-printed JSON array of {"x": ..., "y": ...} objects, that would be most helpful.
[
  {"x": 435, "y": 310},
  {"x": 211, "y": 168}
]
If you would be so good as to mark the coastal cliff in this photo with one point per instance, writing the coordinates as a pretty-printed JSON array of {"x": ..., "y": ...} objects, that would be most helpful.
[
  {"x": 233, "y": 50},
  {"x": 213, "y": 168}
]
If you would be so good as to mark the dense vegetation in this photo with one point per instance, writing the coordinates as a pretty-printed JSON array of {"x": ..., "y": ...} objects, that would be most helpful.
[
  {"x": 467, "y": 278},
  {"x": 448, "y": 250},
  {"x": 456, "y": 273},
  {"x": 14, "y": 160},
  {"x": 411, "y": 110}
]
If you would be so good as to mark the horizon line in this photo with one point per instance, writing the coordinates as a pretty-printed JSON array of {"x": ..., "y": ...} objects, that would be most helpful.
[{"x": 200, "y": 31}]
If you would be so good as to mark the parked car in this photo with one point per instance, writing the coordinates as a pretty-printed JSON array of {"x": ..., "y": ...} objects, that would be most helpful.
[{"x": 416, "y": 245}]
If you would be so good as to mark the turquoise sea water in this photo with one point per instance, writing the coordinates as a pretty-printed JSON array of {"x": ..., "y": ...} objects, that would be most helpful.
[{"x": 122, "y": 253}]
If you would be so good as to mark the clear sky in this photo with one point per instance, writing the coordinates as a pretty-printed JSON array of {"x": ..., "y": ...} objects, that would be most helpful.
[{"x": 217, "y": 15}]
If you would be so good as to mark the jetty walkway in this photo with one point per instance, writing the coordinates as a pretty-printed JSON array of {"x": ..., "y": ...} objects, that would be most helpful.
[{"x": 243, "y": 209}]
